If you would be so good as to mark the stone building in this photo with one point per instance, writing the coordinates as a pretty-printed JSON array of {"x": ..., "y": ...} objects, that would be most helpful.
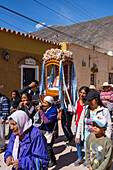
[
  {"x": 91, "y": 67},
  {"x": 20, "y": 59}
]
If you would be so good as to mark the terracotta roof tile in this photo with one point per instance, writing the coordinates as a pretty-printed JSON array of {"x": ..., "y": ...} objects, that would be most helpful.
[{"x": 29, "y": 36}]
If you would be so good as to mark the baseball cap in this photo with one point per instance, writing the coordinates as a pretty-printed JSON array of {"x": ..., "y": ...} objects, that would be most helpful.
[
  {"x": 92, "y": 95},
  {"x": 100, "y": 120}
]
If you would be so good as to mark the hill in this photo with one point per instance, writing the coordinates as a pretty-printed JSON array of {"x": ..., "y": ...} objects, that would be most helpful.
[{"x": 91, "y": 34}]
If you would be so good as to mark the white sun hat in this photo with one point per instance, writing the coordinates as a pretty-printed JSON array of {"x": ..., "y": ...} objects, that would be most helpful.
[
  {"x": 105, "y": 84},
  {"x": 92, "y": 87}
]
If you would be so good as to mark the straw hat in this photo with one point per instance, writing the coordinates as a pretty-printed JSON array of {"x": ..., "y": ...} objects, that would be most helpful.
[
  {"x": 1, "y": 86},
  {"x": 92, "y": 87},
  {"x": 105, "y": 84}
]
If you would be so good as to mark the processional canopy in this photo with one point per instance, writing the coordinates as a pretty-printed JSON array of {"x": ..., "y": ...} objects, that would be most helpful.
[{"x": 57, "y": 74}]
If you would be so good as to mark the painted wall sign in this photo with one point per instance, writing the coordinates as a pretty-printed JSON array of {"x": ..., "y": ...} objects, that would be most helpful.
[{"x": 30, "y": 61}]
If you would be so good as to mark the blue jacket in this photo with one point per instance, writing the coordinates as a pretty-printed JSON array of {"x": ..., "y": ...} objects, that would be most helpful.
[
  {"x": 51, "y": 115},
  {"x": 32, "y": 151}
]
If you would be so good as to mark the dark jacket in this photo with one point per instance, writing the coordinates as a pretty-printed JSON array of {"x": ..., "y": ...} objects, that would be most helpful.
[
  {"x": 14, "y": 103},
  {"x": 34, "y": 94}
]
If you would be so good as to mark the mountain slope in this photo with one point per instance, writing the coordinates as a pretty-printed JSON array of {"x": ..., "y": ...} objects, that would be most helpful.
[{"x": 97, "y": 32}]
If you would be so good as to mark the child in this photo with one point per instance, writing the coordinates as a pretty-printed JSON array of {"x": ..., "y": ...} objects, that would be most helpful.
[
  {"x": 98, "y": 146},
  {"x": 27, "y": 107}
]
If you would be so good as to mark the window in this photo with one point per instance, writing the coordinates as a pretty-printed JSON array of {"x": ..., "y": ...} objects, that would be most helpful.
[
  {"x": 93, "y": 79},
  {"x": 110, "y": 78}
]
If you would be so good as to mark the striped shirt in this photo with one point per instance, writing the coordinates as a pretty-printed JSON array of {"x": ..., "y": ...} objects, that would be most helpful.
[
  {"x": 108, "y": 94},
  {"x": 4, "y": 106}
]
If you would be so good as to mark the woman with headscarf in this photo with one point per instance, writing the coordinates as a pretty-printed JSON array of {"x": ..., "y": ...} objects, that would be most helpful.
[
  {"x": 48, "y": 113},
  {"x": 27, "y": 145}
]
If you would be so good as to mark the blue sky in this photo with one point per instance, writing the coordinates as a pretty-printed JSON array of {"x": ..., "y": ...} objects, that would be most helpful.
[{"x": 75, "y": 10}]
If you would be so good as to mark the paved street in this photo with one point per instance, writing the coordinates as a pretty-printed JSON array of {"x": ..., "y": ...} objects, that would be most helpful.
[{"x": 66, "y": 154}]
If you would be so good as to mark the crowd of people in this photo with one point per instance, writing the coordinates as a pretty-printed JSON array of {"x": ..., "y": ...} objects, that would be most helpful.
[{"x": 33, "y": 128}]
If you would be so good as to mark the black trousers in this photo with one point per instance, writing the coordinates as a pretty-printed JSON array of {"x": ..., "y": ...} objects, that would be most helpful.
[
  {"x": 66, "y": 124},
  {"x": 50, "y": 151}
]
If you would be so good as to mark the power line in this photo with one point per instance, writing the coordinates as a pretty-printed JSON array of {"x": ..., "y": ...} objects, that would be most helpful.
[
  {"x": 69, "y": 20},
  {"x": 89, "y": 14},
  {"x": 49, "y": 27},
  {"x": 78, "y": 8},
  {"x": 12, "y": 25},
  {"x": 64, "y": 15},
  {"x": 37, "y": 22},
  {"x": 83, "y": 9},
  {"x": 59, "y": 14},
  {"x": 23, "y": 16},
  {"x": 13, "y": 16}
]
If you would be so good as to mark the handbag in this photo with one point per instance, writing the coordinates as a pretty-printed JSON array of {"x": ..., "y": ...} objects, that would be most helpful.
[
  {"x": 37, "y": 119},
  {"x": 49, "y": 135}
]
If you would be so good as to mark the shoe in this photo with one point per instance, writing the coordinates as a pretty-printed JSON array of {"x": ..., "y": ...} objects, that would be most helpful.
[
  {"x": 50, "y": 164},
  {"x": 3, "y": 149},
  {"x": 52, "y": 159},
  {"x": 78, "y": 162},
  {"x": 84, "y": 164}
]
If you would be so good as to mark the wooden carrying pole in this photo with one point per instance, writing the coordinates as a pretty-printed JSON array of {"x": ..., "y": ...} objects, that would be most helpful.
[{"x": 34, "y": 101}]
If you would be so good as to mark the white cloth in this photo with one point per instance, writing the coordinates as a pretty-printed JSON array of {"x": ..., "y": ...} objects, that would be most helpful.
[
  {"x": 49, "y": 99},
  {"x": 24, "y": 123}
]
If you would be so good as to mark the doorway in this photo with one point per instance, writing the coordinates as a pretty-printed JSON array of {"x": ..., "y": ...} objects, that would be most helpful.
[
  {"x": 28, "y": 74},
  {"x": 93, "y": 80}
]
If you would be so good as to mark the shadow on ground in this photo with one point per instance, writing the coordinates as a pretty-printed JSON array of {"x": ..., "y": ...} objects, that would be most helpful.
[
  {"x": 60, "y": 139},
  {"x": 66, "y": 160},
  {"x": 59, "y": 149}
]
